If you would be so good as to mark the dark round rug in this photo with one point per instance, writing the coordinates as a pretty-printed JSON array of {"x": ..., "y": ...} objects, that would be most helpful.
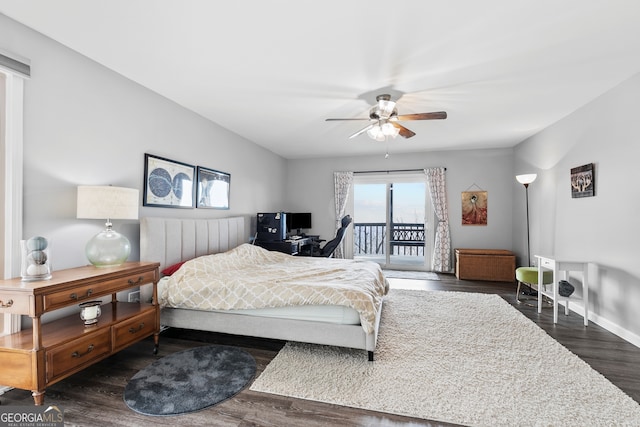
[{"x": 189, "y": 380}]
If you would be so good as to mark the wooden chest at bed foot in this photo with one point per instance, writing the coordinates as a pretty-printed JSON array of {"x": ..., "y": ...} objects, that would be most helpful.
[{"x": 496, "y": 265}]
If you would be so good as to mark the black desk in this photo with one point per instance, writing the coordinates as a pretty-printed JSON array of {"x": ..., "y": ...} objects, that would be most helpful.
[{"x": 291, "y": 247}]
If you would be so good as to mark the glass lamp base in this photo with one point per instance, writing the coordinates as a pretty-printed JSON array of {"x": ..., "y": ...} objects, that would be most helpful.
[{"x": 108, "y": 248}]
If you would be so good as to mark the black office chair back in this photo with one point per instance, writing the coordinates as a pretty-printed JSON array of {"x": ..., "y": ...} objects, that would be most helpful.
[{"x": 330, "y": 247}]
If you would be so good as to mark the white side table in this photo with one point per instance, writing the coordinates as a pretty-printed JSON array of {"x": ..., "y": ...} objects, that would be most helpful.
[{"x": 564, "y": 266}]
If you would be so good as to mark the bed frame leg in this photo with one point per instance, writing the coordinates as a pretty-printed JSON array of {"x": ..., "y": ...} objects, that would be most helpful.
[{"x": 370, "y": 356}]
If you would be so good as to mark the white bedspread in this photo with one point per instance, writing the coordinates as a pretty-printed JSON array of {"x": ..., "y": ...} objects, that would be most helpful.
[{"x": 251, "y": 277}]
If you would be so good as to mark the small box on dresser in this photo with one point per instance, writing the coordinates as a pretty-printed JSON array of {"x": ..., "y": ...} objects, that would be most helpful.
[{"x": 496, "y": 265}]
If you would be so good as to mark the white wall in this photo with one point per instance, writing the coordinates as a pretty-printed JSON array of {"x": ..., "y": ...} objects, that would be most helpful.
[
  {"x": 603, "y": 229},
  {"x": 310, "y": 188},
  {"x": 85, "y": 124}
]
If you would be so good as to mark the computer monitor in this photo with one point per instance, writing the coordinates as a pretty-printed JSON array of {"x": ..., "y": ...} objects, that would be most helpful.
[{"x": 297, "y": 221}]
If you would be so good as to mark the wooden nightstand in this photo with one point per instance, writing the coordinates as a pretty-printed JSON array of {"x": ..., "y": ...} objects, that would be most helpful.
[{"x": 33, "y": 359}]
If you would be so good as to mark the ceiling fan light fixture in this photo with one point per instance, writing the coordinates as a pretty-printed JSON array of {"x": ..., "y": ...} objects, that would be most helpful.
[
  {"x": 376, "y": 133},
  {"x": 386, "y": 108},
  {"x": 389, "y": 130},
  {"x": 384, "y": 118},
  {"x": 382, "y": 130}
]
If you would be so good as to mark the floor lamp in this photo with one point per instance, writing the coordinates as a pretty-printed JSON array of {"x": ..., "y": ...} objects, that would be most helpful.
[{"x": 526, "y": 180}]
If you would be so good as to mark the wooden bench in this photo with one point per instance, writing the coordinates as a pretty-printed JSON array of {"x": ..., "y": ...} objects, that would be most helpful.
[{"x": 496, "y": 265}]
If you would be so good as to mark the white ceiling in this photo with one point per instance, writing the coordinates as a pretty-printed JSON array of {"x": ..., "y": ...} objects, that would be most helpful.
[{"x": 273, "y": 71}]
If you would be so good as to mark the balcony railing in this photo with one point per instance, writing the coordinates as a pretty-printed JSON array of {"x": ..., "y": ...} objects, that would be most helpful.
[{"x": 369, "y": 238}]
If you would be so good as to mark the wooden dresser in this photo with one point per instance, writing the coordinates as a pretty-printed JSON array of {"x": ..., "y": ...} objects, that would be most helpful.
[{"x": 35, "y": 358}]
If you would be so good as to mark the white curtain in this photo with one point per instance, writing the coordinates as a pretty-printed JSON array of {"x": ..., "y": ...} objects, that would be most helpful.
[
  {"x": 342, "y": 186},
  {"x": 441, "y": 261}
]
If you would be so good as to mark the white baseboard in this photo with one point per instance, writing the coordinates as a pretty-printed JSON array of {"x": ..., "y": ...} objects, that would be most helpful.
[{"x": 604, "y": 323}]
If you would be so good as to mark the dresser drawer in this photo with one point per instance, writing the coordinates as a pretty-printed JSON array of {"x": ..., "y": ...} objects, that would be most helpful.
[
  {"x": 14, "y": 303},
  {"x": 77, "y": 354},
  {"x": 547, "y": 263},
  {"x": 133, "y": 330},
  {"x": 79, "y": 294}
]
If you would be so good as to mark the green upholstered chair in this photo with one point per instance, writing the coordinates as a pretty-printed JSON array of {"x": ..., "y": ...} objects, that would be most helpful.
[{"x": 529, "y": 276}]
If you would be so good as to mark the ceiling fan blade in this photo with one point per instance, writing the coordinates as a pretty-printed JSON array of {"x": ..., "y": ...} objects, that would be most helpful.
[
  {"x": 404, "y": 132},
  {"x": 333, "y": 120},
  {"x": 361, "y": 131},
  {"x": 437, "y": 115}
]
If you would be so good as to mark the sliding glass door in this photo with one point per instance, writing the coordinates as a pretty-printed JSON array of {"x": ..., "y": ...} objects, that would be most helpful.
[{"x": 390, "y": 220}]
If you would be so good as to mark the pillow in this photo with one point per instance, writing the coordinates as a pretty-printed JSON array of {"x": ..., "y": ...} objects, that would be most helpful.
[{"x": 172, "y": 268}]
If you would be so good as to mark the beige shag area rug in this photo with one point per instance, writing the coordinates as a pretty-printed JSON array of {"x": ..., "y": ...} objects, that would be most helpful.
[{"x": 461, "y": 358}]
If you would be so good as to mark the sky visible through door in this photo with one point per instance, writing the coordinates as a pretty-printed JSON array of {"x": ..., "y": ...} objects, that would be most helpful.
[{"x": 408, "y": 202}]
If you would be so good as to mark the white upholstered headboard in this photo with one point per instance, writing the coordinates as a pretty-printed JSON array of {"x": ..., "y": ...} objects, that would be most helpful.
[{"x": 171, "y": 240}]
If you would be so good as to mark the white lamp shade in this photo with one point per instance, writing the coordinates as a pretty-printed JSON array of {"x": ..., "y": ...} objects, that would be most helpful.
[
  {"x": 389, "y": 129},
  {"x": 385, "y": 108},
  {"x": 376, "y": 133},
  {"x": 526, "y": 178},
  {"x": 382, "y": 129},
  {"x": 107, "y": 202}
]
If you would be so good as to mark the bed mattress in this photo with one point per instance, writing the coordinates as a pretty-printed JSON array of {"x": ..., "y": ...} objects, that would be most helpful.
[
  {"x": 249, "y": 277},
  {"x": 336, "y": 314}
]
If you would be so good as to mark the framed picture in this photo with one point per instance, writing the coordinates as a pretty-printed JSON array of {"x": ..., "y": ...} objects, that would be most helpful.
[
  {"x": 213, "y": 189},
  {"x": 583, "y": 181},
  {"x": 474, "y": 208},
  {"x": 167, "y": 183}
]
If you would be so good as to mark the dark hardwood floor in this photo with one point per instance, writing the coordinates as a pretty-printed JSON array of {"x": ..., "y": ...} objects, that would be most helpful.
[{"x": 93, "y": 397}]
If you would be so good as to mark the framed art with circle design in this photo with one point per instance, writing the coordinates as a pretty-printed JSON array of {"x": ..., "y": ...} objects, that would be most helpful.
[
  {"x": 168, "y": 183},
  {"x": 213, "y": 189}
]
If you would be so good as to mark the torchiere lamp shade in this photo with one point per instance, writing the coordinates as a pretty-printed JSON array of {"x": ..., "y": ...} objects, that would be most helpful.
[{"x": 526, "y": 178}]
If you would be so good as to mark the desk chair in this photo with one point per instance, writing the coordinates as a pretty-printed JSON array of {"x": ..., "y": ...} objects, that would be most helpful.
[{"x": 329, "y": 248}]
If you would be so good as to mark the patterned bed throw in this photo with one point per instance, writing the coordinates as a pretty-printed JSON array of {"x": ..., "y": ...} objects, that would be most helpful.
[{"x": 251, "y": 277}]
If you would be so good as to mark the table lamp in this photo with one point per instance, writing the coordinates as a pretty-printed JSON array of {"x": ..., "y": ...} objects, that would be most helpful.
[{"x": 107, "y": 248}]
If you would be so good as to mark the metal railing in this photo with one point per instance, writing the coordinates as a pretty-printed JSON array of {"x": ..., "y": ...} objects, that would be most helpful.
[{"x": 369, "y": 238}]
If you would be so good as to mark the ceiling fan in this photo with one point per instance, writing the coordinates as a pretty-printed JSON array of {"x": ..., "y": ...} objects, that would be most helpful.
[{"x": 384, "y": 120}]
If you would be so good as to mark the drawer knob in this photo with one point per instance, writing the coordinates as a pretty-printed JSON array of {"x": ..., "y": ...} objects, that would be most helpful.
[
  {"x": 137, "y": 282},
  {"x": 136, "y": 330},
  {"x": 89, "y": 350},
  {"x": 6, "y": 304}
]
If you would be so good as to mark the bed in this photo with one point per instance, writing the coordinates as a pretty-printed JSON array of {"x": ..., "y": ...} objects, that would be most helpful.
[{"x": 335, "y": 322}]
